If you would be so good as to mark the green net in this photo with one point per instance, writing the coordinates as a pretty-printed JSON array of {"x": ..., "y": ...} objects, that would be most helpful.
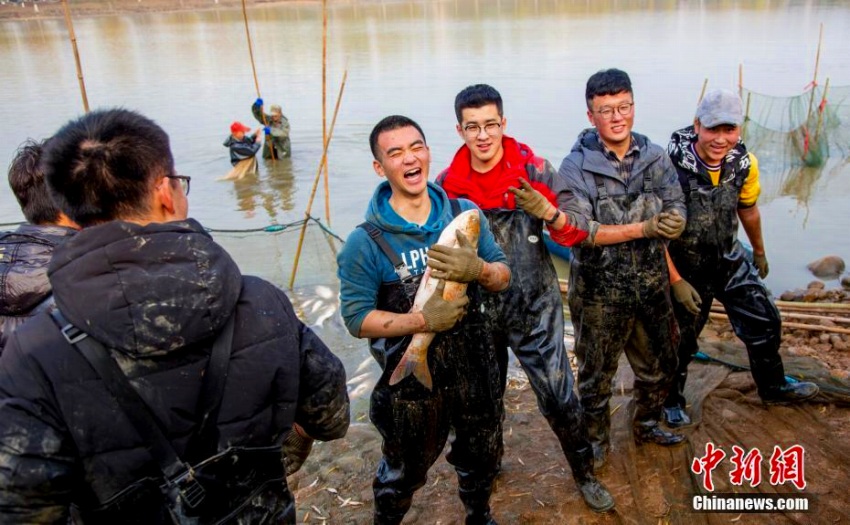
[
  {"x": 798, "y": 132},
  {"x": 270, "y": 252}
]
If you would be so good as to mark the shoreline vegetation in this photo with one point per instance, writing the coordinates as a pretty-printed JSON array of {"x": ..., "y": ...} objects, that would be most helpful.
[{"x": 51, "y": 9}]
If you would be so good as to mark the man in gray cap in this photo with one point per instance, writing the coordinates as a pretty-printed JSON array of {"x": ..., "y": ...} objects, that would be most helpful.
[
  {"x": 276, "y": 129},
  {"x": 720, "y": 179}
]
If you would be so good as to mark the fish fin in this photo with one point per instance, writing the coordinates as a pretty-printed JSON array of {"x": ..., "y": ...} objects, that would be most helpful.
[
  {"x": 422, "y": 373},
  {"x": 409, "y": 366}
]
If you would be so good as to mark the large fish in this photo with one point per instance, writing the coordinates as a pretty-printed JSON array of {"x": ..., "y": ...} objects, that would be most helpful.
[{"x": 415, "y": 358}]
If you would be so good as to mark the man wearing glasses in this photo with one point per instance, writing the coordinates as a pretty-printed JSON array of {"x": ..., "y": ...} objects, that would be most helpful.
[
  {"x": 157, "y": 292},
  {"x": 511, "y": 185},
  {"x": 621, "y": 191}
]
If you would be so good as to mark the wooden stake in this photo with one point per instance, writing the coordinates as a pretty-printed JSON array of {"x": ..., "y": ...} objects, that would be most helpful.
[
  {"x": 324, "y": 103},
  {"x": 316, "y": 180},
  {"x": 741, "y": 80},
  {"x": 702, "y": 93},
  {"x": 746, "y": 117},
  {"x": 73, "y": 37},
  {"x": 821, "y": 108},
  {"x": 815, "y": 77},
  {"x": 256, "y": 82}
]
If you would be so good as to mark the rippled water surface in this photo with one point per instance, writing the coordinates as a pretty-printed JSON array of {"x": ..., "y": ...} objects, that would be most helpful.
[{"x": 190, "y": 71}]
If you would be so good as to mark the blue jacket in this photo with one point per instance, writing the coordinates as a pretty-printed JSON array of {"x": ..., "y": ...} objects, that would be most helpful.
[{"x": 363, "y": 267}]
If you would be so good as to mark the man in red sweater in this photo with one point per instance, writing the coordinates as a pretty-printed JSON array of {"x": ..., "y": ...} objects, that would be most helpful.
[{"x": 512, "y": 187}]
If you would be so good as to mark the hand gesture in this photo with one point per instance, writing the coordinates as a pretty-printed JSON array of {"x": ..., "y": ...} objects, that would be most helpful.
[{"x": 531, "y": 200}]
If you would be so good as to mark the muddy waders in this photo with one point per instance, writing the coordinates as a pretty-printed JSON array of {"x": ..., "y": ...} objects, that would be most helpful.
[
  {"x": 619, "y": 301},
  {"x": 709, "y": 256},
  {"x": 528, "y": 317},
  {"x": 415, "y": 422}
]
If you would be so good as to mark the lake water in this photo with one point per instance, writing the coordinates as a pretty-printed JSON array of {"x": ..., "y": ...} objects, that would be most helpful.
[{"x": 190, "y": 71}]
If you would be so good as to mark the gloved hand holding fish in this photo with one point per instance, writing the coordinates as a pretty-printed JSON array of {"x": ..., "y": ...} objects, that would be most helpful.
[{"x": 456, "y": 255}]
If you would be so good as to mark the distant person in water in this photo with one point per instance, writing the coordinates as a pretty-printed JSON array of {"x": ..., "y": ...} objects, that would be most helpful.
[
  {"x": 276, "y": 130},
  {"x": 243, "y": 151}
]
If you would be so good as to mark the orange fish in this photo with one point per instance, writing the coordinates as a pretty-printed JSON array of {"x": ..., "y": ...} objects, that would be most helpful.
[{"x": 415, "y": 358}]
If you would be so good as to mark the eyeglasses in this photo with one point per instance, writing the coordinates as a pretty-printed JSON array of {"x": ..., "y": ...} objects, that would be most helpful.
[
  {"x": 184, "y": 182},
  {"x": 473, "y": 130},
  {"x": 624, "y": 109}
]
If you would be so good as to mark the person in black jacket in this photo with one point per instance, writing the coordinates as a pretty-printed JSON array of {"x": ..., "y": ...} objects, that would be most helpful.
[
  {"x": 25, "y": 252},
  {"x": 241, "y": 145},
  {"x": 155, "y": 289}
]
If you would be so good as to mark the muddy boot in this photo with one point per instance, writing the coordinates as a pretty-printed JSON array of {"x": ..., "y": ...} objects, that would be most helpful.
[
  {"x": 650, "y": 432},
  {"x": 676, "y": 417},
  {"x": 600, "y": 456},
  {"x": 769, "y": 375},
  {"x": 477, "y": 510},
  {"x": 595, "y": 495},
  {"x": 789, "y": 393}
]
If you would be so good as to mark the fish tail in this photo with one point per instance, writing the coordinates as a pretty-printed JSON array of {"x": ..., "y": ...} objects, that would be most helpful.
[{"x": 408, "y": 366}]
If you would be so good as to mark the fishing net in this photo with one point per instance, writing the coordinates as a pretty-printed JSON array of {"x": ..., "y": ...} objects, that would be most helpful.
[
  {"x": 800, "y": 131},
  {"x": 270, "y": 252}
]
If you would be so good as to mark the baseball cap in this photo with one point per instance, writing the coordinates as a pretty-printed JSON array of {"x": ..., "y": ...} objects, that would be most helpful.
[
  {"x": 236, "y": 127},
  {"x": 276, "y": 109},
  {"x": 718, "y": 107}
]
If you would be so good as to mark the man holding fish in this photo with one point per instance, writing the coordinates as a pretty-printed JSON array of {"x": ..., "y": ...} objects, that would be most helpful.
[
  {"x": 512, "y": 186},
  {"x": 455, "y": 382}
]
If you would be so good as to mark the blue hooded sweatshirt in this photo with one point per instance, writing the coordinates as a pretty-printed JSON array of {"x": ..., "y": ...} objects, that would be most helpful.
[{"x": 363, "y": 267}]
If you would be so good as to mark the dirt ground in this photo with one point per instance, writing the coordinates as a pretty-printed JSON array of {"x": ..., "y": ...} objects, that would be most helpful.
[
  {"x": 53, "y": 8},
  {"x": 651, "y": 484}
]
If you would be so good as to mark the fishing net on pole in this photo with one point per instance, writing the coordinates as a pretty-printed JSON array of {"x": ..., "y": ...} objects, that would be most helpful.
[
  {"x": 269, "y": 252},
  {"x": 799, "y": 131}
]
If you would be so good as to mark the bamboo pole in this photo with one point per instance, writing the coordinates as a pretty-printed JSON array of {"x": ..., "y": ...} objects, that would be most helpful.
[
  {"x": 746, "y": 118},
  {"x": 794, "y": 305},
  {"x": 702, "y": 93},
  {"x": 741, "y": 80},
  {"x": 325, "y": 103},
  {"x": 798, "y": 315},
  {"x": 73, "y": 37},
  {"x": 821, "y": 107},
  {"x": 256, "y": 82},
  {"x": 797, "y": 305},
  {"x": 796, "y": 326},
  {"x": 316, "y": 180},
  {"x": 815, "y": 77}
]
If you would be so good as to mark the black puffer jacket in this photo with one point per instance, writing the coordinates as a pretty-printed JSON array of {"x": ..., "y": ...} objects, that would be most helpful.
[
  {"x": 157, "y": 295},
  {"x": 24, "y": 288}
]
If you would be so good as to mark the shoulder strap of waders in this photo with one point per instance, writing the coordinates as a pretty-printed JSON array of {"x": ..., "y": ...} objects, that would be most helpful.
[
  {"x": 693, "y": 184},
  {"x": 378, "y": 236},
  {"x": 647, "y": 181},
  {"x": 140, "y": 414},
  {"x": 455, "y": 207},
  {"x": 601, "y": 192}
]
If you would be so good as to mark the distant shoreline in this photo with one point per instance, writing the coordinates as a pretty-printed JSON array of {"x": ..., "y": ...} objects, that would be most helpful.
[{"x": 51, "y": 9}]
